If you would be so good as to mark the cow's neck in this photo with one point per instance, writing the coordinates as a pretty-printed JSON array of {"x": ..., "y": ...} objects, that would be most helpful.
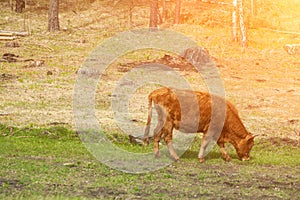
[
  {"x": 235, "y": 140},
  {"x": 237, "y": 136}
]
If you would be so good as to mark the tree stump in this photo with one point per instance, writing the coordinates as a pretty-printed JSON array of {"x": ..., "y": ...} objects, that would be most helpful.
[
  {"x": 20, "y": 6},
  {"x": 292, "y": 49}
]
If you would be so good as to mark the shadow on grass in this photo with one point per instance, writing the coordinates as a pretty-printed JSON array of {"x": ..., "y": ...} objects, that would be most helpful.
[
  {"x": 213, "y": 155},
  {"x": 52, "y": 132}
]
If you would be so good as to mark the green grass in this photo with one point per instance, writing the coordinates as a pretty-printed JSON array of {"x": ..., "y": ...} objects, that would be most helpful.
[{"x": 52, "y": 163}]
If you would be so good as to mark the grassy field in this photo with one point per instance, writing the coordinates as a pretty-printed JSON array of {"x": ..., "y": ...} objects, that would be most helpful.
[{"x": 42, "y": 157}]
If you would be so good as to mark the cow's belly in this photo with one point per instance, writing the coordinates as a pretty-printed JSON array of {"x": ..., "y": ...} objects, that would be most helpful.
[{"x": 191, "y": 126}]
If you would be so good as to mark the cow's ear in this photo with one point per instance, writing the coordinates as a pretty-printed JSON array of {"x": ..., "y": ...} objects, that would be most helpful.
[
  {"x": 252, "y": 135},
  {"x": 250, "y": 139}
]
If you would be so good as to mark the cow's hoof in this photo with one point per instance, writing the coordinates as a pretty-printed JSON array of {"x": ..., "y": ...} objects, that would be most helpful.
[
  {"x": 201, "y": 160},
  {"x": 157, "y": 155},
  {"x": 146, "y": 142},
  {"x": 227, "y": 159},
  {"x": 176, "y": 159}
]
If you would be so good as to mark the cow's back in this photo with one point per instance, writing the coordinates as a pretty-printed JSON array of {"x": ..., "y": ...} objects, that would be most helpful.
[
  {"x": 166, "y": 99},
  {"x": 189, "y": 111}
]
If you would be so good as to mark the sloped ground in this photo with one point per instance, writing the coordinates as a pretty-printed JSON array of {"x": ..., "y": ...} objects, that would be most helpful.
[{"x": 263, "y": 83}]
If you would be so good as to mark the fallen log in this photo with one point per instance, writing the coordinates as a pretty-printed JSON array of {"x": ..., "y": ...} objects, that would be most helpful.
[
  {"x": 13, "y": 33},
  {"x": 6, "y": 34},
  {"x": 281, "y": 31},
  {"x": 7, "y": 37}
]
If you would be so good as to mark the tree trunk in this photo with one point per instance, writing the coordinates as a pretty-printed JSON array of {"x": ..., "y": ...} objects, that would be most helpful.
[
  {"x": 11, "y": 4},
  {"x": 177, "y": 12},
  {"x": 20, "y": 6},
  {"x": 53, "y": 20},
  {"x": 131, "y": 6},
  {"x": 153, "y": 15},
  {"x": 234, "y": 21},
  {"x": 244, "y": 39}
]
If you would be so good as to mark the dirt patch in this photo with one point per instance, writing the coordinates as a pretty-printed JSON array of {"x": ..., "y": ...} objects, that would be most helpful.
[
  {"x": 7, "y": 77},
  {"x": 175, "y": 62},
  {"x": 11, "y": 184},
  {"x": 277, "y": 141},
  {"x": 105, "y": 192},
  {"x": 224, "y": 180}
]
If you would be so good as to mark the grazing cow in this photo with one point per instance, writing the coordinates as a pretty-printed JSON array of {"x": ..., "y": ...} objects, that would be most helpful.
[{"x": 167, "y": 103}]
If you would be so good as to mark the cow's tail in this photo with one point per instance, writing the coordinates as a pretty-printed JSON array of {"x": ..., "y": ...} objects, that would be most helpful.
[{"x": 147, "y": 129}]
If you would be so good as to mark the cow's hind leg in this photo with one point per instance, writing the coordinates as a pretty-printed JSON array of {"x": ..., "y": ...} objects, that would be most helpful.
[
  {"x": 224, "y": 153},
  {"x": 204, "y": 143},
  {"x": 157, "y": 137},
  {"x": 159, "y": 129},
  {"x": 168, "y": 139},
  {"x": 158, "y": 132}
]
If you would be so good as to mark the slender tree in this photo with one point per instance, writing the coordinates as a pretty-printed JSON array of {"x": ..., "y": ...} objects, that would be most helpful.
[
  {"x": 234, "y": 21},
  {"x": 244, "y": 39},
  {"x": 153, "y": 15},
  {"x": 253, "y": 7},
  {"x": 238, "y": 20},
  {"x": 164, "y": 10},
  {"x": 131, "y": 6},
  {"x": 53, "y": 20},
  {"x": 177, "y": 12}
]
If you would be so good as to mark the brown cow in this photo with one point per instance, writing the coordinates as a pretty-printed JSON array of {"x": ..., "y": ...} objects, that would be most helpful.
[{"x": 167, "y": 104}]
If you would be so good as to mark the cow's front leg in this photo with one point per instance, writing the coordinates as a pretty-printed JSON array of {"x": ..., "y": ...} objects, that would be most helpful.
[
  {"x": 224, "y": 153},
  {"x": 168, "y": 139},
  {"x": 205, "y": 141},
  {"x": 159, "y": 129},
  {"x": 172, "y": 151}
]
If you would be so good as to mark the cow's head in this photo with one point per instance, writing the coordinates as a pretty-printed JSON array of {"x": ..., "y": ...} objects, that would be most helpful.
[{"x": 245, "y": 146}]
